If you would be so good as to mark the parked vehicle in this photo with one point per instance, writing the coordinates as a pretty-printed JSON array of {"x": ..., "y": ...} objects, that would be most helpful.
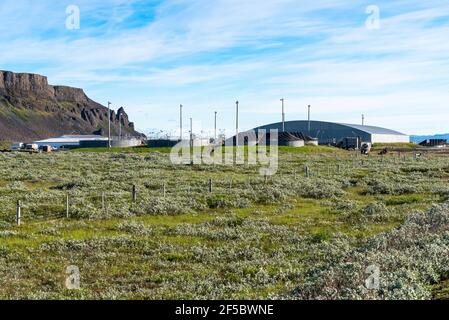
[
  {"x": 366, "y": 148},
  {"x": 17, "y": 146},
  {"x": 32, "y": 147},
  {"x": 47, "y": 149},
  {"x": 349, "y": 143}
]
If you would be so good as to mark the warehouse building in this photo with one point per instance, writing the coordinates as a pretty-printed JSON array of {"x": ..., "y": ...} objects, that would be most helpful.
[
  {"x": 334, "y": 133},
  {"x": 70, "y": 141},
  {"x": 89, "y": 141}
]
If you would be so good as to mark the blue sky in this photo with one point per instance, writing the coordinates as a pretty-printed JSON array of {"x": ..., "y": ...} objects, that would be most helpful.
[{"x": 151, "y": 56}]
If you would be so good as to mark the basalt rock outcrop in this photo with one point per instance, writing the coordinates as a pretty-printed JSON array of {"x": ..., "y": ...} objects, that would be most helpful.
[{"x": 31, "y": 109}]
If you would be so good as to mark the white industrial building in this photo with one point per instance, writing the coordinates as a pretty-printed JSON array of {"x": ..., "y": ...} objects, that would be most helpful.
[{"x": 69, "y": 141}]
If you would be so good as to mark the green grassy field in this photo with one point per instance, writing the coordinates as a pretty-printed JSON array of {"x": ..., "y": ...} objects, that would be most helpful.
[
  {"x": 143, "y": 149},
  {"x": 122, "y": 150},
  {"x": 399, "y": 145},
  {"x": 289, "y": 236}
]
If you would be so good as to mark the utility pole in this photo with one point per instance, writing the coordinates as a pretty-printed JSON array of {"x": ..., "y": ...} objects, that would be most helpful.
[
  {"x": 309, "y": 118},
  {"x": 215, "y": 134},
  {"x": 120, "y": 125},
  {"x": 237, "y": 124},
  {"x": 18, "y": 213},
  {"x": 67, "y": 206},
  {"x": 191, "y": 152},
  {"x": 283, "y": 115},
  {"x": 180, "y": 122},
  {"x": 363, "y": 119},
  {"x": 191, "y": 133},
  {"x": 109, "y": 124}
]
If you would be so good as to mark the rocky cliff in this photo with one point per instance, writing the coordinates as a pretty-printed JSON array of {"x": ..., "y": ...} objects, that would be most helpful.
[{"x": 31, "y": 109}]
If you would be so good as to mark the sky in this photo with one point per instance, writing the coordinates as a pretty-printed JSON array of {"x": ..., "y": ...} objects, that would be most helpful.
[{"x": 388, "y": 60}]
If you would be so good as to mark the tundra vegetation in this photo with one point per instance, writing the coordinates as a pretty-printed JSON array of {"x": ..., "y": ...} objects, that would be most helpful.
[{"x": 291, "y": 236}]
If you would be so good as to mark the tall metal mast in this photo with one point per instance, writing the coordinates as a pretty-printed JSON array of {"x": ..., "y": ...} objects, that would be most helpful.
[
  {"x": 191, "y": 132},
  {"x": 309, "y": 118},
  {"x": 237, "y": 124},
  {"x": 215, "y": 127},
  {"x": 180, "y": 122},
  {"x": 109, "y": 124},
  {"x": 120, "y": 125},
  {"x": 283, "y": 115}
]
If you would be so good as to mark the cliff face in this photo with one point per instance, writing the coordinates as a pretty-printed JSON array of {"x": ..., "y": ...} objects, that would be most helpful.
[{"x": 31, "y": 109}]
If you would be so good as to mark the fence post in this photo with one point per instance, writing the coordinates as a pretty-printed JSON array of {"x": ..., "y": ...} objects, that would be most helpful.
[
  {"x": 134, "y": 194},
  {"x": 164, "y": 189},
  {"x": 102, "y": 201},
  {"x": 18, "y": 216},
  {"x": 67, "y": 206},
  {"x": 307, "y": 171},
  {"x": 210, "y": 186}
]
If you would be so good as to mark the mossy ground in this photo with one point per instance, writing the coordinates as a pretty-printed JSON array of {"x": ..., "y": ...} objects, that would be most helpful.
[{"x": 241, "y": 241}]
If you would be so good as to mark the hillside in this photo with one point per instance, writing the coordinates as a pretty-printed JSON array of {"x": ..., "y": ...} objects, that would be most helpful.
[{"x": 32, "y": 109}]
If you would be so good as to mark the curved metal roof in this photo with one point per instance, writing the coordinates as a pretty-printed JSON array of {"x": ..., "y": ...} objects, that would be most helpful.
[
  {"x": 373, "y": 130},
  {"x": 366, "y": 129}
]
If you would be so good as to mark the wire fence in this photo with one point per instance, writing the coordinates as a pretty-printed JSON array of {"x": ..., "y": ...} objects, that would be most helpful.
[{"x": 74, "y": 205}]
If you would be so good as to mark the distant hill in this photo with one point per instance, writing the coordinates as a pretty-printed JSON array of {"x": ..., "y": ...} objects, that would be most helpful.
[
  {"x": 31, "y": 109},
  {"x": 418, "y": 139}
]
